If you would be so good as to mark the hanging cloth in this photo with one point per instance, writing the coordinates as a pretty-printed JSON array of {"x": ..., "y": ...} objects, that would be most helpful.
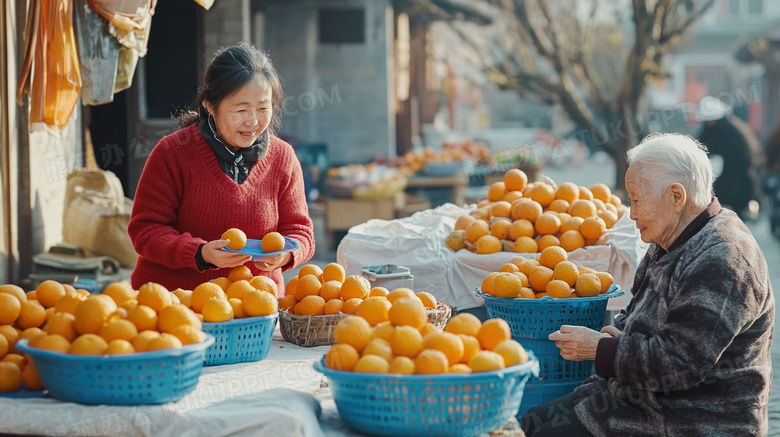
[
  {"x": 129, "y": 20},
  {"x": 98, "y": 56},
  {"x": 55, "y": 81}
]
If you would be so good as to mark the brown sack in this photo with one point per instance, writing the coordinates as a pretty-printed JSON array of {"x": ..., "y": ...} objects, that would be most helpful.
[{"x": 96, "y": 216}]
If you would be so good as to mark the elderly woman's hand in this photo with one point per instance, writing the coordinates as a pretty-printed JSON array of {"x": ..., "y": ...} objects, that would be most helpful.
[
  {"x": 577, "y": 343},
  {"x": 611, "y": 330}
]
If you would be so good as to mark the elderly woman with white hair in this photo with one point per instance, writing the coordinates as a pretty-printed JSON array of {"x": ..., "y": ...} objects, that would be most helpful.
[{"x": 690, "y": 355}]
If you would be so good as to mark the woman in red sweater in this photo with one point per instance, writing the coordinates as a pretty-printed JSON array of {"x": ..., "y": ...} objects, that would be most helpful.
[{"x": 223, "y": 169}]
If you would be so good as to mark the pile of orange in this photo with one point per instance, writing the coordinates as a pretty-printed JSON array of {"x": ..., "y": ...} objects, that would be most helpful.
[
  {"x": 236, "y": 296},
  {"x": 552, "y": 274},
  {"x": 59, "y": 318},
  {"x": 531, "y": 216},
  {"x": 406, "y": 343},
  {"x": 317, "y": 291}
]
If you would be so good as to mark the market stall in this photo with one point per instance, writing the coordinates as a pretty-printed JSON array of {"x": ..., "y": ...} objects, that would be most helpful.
[
  {"x": 418, "y": 242},
  {"x": 280, "y": 395}
]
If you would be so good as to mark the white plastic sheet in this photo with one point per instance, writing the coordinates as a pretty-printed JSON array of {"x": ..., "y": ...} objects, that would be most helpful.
[{"x": 418, "y": 242}]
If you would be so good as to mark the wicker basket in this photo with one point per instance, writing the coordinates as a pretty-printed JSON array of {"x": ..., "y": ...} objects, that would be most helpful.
[
  {"x": 308, "y": 331},
  {"x": 440, "y": 316}
]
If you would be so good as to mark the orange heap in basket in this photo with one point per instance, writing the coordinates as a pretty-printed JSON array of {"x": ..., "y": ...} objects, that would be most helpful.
[
  {"x": 316, "y": 291},
  {"x": 59, "y": 318},
  {"x": 549, "y": 275},
  {"x": 397, "y": 338},
  {"x": 236, "y": 296},
  {"x": 527, "y": 217}
]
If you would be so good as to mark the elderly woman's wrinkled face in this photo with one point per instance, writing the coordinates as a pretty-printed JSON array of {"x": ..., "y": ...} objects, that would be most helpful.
[{"x": 655, "y": 221}]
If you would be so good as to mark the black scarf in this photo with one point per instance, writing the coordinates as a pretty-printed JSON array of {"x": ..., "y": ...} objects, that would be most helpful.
[{"x": 236, "y": 165}]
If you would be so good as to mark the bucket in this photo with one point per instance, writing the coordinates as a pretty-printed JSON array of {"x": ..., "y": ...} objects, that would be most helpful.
[{"x": 390, "y": 276}]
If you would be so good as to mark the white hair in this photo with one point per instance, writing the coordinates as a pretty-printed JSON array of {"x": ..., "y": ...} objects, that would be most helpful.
[{"x": 667, "y": 158}]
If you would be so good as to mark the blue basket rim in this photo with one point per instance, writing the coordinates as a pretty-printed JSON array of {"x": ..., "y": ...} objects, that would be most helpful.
[
  {"x": 117, "y": 359},
  {"x": 613, "y": 291},
  {"x": 242, "y": 321},
  {"x": 531, "y": 366}
]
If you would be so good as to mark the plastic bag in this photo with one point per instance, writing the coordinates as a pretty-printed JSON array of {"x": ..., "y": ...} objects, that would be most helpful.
[{"x": 55, "y": 81}]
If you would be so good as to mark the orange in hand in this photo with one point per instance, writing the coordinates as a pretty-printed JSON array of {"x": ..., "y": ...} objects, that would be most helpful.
[
  {"x": 272, "y": 242},
  {"x": 237, "y": 238}
]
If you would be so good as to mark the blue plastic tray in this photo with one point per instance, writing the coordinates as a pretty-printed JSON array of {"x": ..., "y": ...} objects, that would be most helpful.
[{"x": 253, "y": 248}]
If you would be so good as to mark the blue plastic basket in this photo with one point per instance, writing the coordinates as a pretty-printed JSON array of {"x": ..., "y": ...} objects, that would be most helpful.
[
  {"x": 240, "y": 340},
  {"x": 538, "y": 318},
  {"x": 553, "y": 367},
  {"x": 154, "y": 377},
  {"x": 532, "y": 320},
  {"x": 537, "y": 394},
  {"x": 429, "y": 405}
]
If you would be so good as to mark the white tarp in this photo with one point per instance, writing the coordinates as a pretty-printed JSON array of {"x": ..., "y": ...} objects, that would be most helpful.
[{"x": 418, "y": 242}]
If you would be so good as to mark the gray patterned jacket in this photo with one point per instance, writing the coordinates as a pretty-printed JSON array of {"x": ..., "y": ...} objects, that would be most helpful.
[{"x": 694, "y": 355}]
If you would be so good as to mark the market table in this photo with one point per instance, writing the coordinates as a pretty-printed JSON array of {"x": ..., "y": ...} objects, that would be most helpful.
[{"x": 281, "y": 395}]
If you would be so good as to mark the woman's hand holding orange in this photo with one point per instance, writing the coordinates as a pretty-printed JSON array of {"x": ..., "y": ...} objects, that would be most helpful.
[{"x": 212, "y": 253}]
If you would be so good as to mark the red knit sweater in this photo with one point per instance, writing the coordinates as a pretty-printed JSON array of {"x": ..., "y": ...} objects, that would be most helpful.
[{"x": 184, "y": 199}]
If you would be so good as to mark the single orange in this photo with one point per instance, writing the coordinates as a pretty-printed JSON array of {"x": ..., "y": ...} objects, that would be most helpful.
[
  {"x": 204, "y": 292},
  {"x": 539, "y": 278},
  {"x": 463, "y": 323},
  {"x": 547, "y": 223},
  {"x": 342, "y": 356},
  {"x": 355, "y": 286},
  {"x": 406, "y": 341},
  {"x": 572, "y": 240},
  {"x": 501, "y": 208},
  {"x": 120, "y": 292},
  {"x": 375, "y": 310},
  {"x": 431, "y": 361},
  {"x": 521, "y": 228},
  {"x": 496, "y": 191},
  {"x": 236, "y": 238},
  {"x": 310, "y": 306},
  {"x": 308, "y": 285},
  {"x": 240, "y": 272},
  {"x": 551, "y": 256},
  {"x": 49, "y": 292},
  {"x": 272, "y": 242},
  {"x": 567, "y": 191},
  {"x": 154, "y": 296},
  {"x": 558, "y": 289},
  {"x": 515, "y": 179},
  {"x": 330, "y": 290},
  {"x": 10, "y": 308},
  {"x": 333, "y": 306},
  {"x": 546, "y": 241},
  {"x": 264, "y": 283},
  {"x": 492, "y": 332},
  {"x": 334, "y": 272}
]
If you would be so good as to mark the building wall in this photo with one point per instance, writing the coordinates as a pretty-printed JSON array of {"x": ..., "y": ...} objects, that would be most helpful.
[
  {"x": 338, "y": 94},
  {"x": 705, "y": 64},
  {"x": 223, "y": 25}
]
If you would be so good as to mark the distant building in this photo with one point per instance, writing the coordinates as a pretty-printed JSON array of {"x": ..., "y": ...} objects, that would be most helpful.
[{"x": 706, "y": 63}]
